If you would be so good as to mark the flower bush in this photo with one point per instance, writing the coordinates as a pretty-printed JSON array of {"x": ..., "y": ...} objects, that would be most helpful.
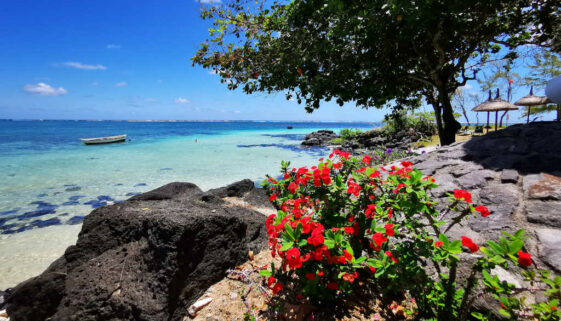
[{"x": 344, "y": 219}]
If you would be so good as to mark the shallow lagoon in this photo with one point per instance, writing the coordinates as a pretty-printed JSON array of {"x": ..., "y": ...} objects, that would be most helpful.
[{"x": 49, "y": 181}]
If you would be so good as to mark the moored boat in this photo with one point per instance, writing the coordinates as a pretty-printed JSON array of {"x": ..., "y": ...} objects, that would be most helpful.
[{"x": 104, "y": 140}]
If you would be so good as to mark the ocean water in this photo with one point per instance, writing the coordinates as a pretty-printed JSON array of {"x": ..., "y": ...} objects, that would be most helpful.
[{"x": 49, "y": 180}]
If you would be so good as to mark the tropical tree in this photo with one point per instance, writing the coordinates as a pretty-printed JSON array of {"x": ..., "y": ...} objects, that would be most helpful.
[{"x": 375, "y": 53}]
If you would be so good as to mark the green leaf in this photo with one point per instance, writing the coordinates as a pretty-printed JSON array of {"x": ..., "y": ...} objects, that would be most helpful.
[
  {"x": 455, "y": 247},
  {"x": 496, "y": 247},
  {"x": 289, "y": 232},
  {"x": 302, "y": 243},
  {"x": 444, "y": 239},
  {"x": 287, "y": 246},
  {"x": 486, "y": 251},
  {"x": 497, "y": 259},
  {"x": 360, "y": 259},
  {"x": 515, "y": 246},
  {"x": 329, "y": 243},
  {"x": 298, "y": 231},
  {"x": 265, "y": 273},
  {"x": 504, "y": 312}
]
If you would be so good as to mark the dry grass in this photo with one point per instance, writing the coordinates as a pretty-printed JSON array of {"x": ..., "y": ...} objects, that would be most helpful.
[{"x": 435, "y": 141}]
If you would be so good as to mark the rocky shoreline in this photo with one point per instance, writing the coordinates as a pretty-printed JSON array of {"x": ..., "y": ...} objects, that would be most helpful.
[
  {"x": 148, "y": 258},
  {"x": 152, "y": 256},
  {"x": 364, "y": 141}
]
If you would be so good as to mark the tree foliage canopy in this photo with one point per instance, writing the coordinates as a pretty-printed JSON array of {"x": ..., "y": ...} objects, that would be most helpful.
[{"x": 373, "y": 53}]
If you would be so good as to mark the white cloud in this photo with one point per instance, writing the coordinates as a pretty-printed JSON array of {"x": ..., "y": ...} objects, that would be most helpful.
[
  {"x": 237, "y": 112},
  {"x": 79, "y": 65},
  {"x": 121, "y": 84},
  {"x": 181, "y": 100},
  {"x": 209, "y": 1},
  {"x": 111, "y": 46},
  {"x": 466, "y": 86},
  {"x": 95, "y": 83},
  {"x": 44, "y": 90}
]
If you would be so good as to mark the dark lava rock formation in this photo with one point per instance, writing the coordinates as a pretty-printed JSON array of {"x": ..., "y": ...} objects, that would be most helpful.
[
  {"x": 320, "y": 138},
  {"x": 148, "y": 258},
  {"x": 368, "y": 140}
]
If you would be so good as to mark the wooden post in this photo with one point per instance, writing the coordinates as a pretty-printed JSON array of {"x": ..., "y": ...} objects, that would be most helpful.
[
  {"x": 496, "y": 119},
  {"x": 528, "y": 117},
  {"x": 487, "y": 128}
]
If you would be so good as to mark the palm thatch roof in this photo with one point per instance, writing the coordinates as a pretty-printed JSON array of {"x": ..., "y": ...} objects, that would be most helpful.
[
  {"x": 496, "y": 104},
  {"x": 531, "y": 100}
]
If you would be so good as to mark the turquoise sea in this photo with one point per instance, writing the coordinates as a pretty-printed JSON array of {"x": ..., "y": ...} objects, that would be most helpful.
[{"x": 49, "y": 180}]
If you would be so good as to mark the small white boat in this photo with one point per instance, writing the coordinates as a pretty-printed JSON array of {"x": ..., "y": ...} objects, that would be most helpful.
[{"x": 104, "y": 140}]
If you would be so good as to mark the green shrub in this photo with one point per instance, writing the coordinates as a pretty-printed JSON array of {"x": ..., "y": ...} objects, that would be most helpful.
[
  {"x": 420, "y": 122},
  {"x": 345, "y": 218},
  {"x": 350, "y": 133}
]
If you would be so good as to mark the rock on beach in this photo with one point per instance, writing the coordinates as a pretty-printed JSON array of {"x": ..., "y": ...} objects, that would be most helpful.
[{"x": 148, "y": 258}]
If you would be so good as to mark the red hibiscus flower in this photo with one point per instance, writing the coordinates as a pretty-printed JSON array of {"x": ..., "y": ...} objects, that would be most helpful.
[
  {"x": 277, "y": 288},
  {"x": 438, "y": 243},
  {"x": 273, "y": 198},
  {"x": 467, "y": 242},
  {"x": 460, "y": 193},
  {"x": 524, "y": 259},
  {"x": 292, "y": 187},
  {"x": 350, "y": 277},
  {"x": 399, "y": 186},
  {"x": 270, "y": 281},
  {"x": 370, "y": 210},
  {"x": 389, "y": 230},
  {"x": 293, "y": 258},
  {"x": 483, "y": 210},
  {"x": 390, "y": 213},
  {"x": 406, "y": 164},
  {"x": 390, "y": 255},
  {"x": 379, "y": 239}
]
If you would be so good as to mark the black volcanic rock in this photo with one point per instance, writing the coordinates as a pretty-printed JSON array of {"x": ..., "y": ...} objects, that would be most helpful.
[
  {"x": 148, "y": 258},
  {"x": 319, "y": 138}
]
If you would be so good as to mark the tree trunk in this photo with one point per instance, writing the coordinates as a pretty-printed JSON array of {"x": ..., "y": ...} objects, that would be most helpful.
[
  {"x": 449, "y": 124},
  {"x": 558, "y": 111},
  {"x": 438, "y": 117},
  {"x": 501, "y": 121},
  {"x": 465, "y": 115}
]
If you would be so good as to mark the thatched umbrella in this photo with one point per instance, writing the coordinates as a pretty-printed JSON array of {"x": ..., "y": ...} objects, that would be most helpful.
[
  {"x": 495, "y": 105},
  {"x": 531, "y": 100}
]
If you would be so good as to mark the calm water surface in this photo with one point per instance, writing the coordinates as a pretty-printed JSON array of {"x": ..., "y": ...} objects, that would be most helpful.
[{"x": 49, "y": 180}]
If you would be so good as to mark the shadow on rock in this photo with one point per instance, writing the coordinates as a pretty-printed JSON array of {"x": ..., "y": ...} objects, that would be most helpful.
[{"x": 529, "y": 149}]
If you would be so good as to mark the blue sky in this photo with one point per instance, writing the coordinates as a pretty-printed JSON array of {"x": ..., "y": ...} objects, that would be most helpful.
[{"x": 125, "y": 60}]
